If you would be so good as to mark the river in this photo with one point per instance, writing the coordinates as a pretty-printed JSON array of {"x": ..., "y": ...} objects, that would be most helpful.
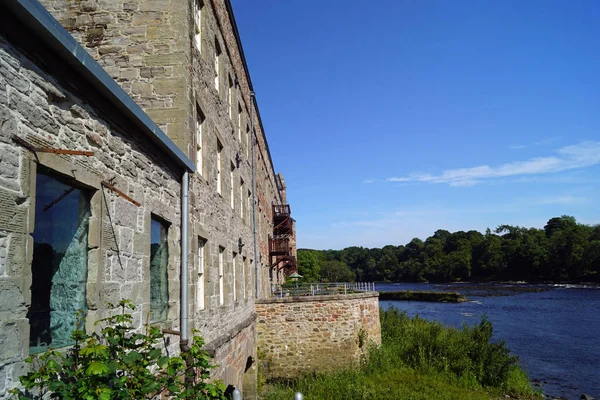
[{"x": 554, "y": 329}]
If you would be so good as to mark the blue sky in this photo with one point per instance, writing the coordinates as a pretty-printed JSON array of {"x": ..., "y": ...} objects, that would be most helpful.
[{"x": 392, "y": 119}]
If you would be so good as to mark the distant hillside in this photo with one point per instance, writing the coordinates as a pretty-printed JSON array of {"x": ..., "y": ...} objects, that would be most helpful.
[{"x": 563, "y": 251}]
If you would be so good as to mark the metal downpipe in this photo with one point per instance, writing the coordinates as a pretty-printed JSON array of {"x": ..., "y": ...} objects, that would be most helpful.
[
  {"x": 253, "y": 134},
  {"x": 183, "y": 278}
]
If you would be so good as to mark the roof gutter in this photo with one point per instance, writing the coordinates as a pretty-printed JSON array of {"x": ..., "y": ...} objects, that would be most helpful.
[{"x": 49, "y": 31}]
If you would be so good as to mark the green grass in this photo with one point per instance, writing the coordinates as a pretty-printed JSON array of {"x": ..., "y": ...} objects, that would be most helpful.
[
  {"x": 409, "y": 295},
  {"x": 420, "y": 359}
]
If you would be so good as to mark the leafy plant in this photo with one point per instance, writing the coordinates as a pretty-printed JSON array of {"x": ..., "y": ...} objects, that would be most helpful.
[
  {"x": 419, "y": 359},
  {"x": 120, "y": 363}
]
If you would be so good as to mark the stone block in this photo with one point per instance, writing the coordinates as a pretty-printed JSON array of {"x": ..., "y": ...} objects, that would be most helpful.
[
  {"x": 169, "y": 86},
  {"x": 141, "y": 88},
  {"x": 110, "y": 5},
  {"x": 177, "y": 58},
  {"x": 147, "y": 18},
  {"x": 126, "y": 240},
  {"x": 169, "y": 116},
  {"x": 102, "y": 19},
  {"x": 11, "y": 298},
  {"x": 110, "y": 293},
  {"x": 125, "y": 213},
  {"x": 13, "y": 217},
  {"x": 16, "y": 80},
  {"x": 129, "y": 73},
  {"x": 3, "y": 94},
  {"x": 4, "y": 243},
  {"x": 34, "y": 116},
  {"x": 108, "y": 49}
]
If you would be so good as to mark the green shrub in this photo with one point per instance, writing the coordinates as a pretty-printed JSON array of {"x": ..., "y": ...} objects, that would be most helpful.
[
  {"x": 420, "y": 359},
  {"x": 119, "y": 363},
  {"x": 468, "y": 354}
]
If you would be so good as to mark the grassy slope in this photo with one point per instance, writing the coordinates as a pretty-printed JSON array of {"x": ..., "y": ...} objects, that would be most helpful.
[
  {"x": 397, "y": 384},
  {"x": 408, "y": 366}
]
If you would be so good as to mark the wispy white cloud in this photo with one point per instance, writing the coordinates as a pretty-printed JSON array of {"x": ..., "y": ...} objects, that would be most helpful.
[
  {"x": 543, "y": 142},
  {"x": 564, "y": 200},
  {"x": 550, "y": 140},
  {"x": 585, "y": 154},
  {"x": 367, "y": 181}
]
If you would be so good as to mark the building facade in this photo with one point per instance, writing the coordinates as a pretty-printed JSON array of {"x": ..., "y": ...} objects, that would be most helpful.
[{"x": 135, "y": 131}]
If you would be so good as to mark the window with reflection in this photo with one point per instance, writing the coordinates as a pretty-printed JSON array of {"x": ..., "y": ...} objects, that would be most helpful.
[
  {"x": 59, "y": 265},
  {"x": 159, "y": 261}
]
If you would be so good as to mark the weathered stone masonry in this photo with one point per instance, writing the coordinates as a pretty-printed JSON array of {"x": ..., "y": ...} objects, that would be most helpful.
[
  {"x": 39, "y": 109},
  {"x": 316, "y": 333},
  {"x": 147, "y": 46}
]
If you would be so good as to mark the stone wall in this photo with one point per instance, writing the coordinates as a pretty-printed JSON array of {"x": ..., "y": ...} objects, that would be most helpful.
[
  {"x": 315, "y": 333},
  {"x": 235, "y": 356},
  {"x": 37, "y": 108},
  {"x": 144, "y": 46},
  {"x": 148, "y": 48}
]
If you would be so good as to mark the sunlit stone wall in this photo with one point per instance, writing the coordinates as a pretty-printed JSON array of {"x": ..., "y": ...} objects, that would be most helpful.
[
  {"x": 114, "y": 245},
  {"x": 315, "y": 333}
]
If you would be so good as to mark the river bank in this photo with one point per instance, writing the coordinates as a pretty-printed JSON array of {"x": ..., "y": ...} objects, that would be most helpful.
[
  {"x": 420, "y": 359},
  {"x": 554, "y": 328},
  {"x": 409, "y": 295}
]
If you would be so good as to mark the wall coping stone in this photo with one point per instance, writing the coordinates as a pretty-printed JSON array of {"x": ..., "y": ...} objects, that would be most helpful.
[
  {"x": 329, "y": 297},
  {"x": 212, "y": 347}
]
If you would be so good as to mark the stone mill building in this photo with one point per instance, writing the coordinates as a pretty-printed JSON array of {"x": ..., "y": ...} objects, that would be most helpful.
[{"x": 134, "y": 164}]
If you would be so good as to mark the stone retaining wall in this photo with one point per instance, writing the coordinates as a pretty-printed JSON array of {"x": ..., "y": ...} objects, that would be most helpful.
[{"x": 315, "y": 333}]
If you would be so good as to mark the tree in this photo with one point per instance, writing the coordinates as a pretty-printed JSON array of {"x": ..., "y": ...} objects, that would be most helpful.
[
  {"x": 563, "y": 249},
  {"x": 336, "y": 271},
  {"x": 309, "y": 265}
]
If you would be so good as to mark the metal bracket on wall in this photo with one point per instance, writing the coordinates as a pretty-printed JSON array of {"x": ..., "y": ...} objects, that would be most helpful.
[
  {"x": 110, "y": 186},
  {"x": 34, "y": 149}
]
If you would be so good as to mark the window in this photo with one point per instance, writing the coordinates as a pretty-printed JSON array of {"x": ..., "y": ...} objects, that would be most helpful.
[
  {"x": 249, "y": 203},
  {"x": 219, "y": 175},
  {"x": 239, "y": 123},
  {"x": 250, "y": 278},
  {"x": 159, "y": 260},
  {"x": 247, "y": 141},
  {"x": 59, "y": 265},
  {"x": 241, "y": 189},
  {"x": 198, "y": 6},
  {"x": 217, "y": 65},
  {"x": 231, "y": 195},
  {"x": 221, "y": 283},
  {"x": 234, "y": 265},
  {"x": 199, "y": 145},
  {"x": 230, "y": 97},
  {"x": 244, "y": 276},
  {"x": 201, "y": 278}
]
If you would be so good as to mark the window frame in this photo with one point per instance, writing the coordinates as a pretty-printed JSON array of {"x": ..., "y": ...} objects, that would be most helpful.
[
  {"x": 232, "y": 189},
  {"x": 221, "y": 273},
  {"x": 217, "y": 65},
  {"x": 166, "y": 225},
  {"x": 87, "y": 192},
  {"x": 198, "y": 13},
  {"x": 219, "y": 167},
  {"x": 200, "y": 120},
  {"x": 201, "y": 275},
  {"x": 234, "y": 280}
]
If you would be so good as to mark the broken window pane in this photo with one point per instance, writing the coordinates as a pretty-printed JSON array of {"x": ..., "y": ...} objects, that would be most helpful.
[
  {"x": 59, "y": 266},
  {"x": 159, "y": 260}
]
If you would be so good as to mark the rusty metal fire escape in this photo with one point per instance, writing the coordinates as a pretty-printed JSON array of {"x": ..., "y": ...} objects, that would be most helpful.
[{"x": 280, "y": 249}]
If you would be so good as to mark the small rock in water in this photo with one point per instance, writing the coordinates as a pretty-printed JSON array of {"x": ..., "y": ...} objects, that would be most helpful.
[{"x": 586, "y": 397}]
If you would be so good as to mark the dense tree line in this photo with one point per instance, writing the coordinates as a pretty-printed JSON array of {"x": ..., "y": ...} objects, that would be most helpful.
[{"x": 563, "y": 251}]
